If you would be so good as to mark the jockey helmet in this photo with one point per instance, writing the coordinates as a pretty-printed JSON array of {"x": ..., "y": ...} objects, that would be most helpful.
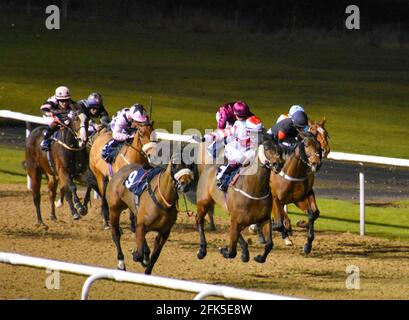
[
  {"x": 241, "y": 109},
  {"x": 138, "y": 113},
  {"x": 62, "y": 93},
  {"x": 300, "y": 119},
  {"x": 295, "y": 108},
  {"x": 95, "y": 101},
  {"x": 254, "y": 123}
]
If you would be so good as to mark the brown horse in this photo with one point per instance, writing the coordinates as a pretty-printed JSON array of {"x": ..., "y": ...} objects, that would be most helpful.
[
  {"x": 157, "y": 210},
  {"x": 294, "y": 185},
  {"x": 248, "y": 202},
  {"x": 66, "y": 159},
  {"x": 140, "y": 150}
]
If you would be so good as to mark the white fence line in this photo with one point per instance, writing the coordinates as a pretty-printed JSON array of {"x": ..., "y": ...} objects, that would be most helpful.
[
  {"x": 95, "y": 273},
  {"x": 341, "y": 156}
]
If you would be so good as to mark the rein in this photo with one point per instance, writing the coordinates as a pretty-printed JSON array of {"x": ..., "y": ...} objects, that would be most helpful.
[
  {"x": 68, "y": 147},
  {"x": 250, "y": 196}
]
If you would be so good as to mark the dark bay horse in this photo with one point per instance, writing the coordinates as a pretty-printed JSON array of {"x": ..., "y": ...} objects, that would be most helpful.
[
  {"x": 248, "y": 201},
  {"x": 157, "y": 210},
  {"x": 139, "y": 150},
  {"x": 66, "y": 159},
  {"x": 294, "y": 185}
]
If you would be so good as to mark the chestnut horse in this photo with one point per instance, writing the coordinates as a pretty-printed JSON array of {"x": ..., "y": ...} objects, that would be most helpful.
[
  {"x": 66, "y": 159},
  {"x": 294, "y": 185},
  {"x": 139, "y": 150},
  {"x": 157, "y": 210},
  {"x": 248, "y": 201}
]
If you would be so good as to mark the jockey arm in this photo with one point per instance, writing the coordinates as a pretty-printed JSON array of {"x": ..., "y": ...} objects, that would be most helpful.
[{"x": 121, "y": 124}]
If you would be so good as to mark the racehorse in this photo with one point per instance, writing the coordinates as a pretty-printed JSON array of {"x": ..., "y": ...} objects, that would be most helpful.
[
  {"x": 157, "y": 209},
  {"x": 294, "y": 185},
  {"x": 248, "y": 201},
  {"x": 140, "y": 150},
  {"x": 65, "y": 160}
]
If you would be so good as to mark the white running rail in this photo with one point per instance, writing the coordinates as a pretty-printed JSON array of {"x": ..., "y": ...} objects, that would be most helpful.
[{"x": 202, "y": 290}]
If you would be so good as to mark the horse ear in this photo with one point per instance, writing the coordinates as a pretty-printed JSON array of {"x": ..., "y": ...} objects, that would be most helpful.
[{"x": 323, "y": 121}]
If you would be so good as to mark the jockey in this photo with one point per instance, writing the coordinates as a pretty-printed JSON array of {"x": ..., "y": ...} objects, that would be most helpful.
[
  {"x": 123, "y": 124},
  {"x": 56, "y": 109},
  {"x": 93, "y": 108},
  {"x": 239, "y": 149},
  {"x": 286, "y": 131},
  {"x": 225, "y": 116},
  {"x": 290, "y": 113}
]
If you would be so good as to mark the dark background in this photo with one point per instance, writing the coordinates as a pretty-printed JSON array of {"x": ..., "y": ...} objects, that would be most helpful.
[{"x": 258, "y": 16}]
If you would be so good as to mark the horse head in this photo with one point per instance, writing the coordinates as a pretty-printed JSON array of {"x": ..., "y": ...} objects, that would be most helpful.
[
  {"x": 145, "y": 139},
  {"x": 319, "y": 131},
  {"x": 309, "y": 151},
  {"x": 270, "y": 154},
  {"x": 181, "y": 173}
]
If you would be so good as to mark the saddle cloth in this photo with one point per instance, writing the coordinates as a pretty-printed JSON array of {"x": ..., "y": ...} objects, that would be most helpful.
[
  {"x": 111, "y": 150},
  {"x": 138, "y": 180}
]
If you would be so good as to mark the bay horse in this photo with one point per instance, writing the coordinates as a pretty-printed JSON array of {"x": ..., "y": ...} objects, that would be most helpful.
[
  {"x": 157, "y": 209},
  {"x": 248, "y": 201},
  {"x": 65, "y": 160},
  {"x": 140, "y": 150},
  {"x": 294, "y": 185}
]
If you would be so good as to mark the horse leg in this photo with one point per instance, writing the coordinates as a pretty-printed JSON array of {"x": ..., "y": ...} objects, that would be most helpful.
[
  {"x": 245, "y": 255},
  {"x": 159, "y": 243},
  {"x": 211, "y": 219},
  {"x": 313, "y": 214},
  {"x": 60, "y": 201},
  {"x": 116, "y": 236},
  {"x": 202, "y": 208},
  {"x": 35, "y": 176},
  {"x": 132, "y": 221},
  {"x": 87, "y": 198},
  {"x": 77, "y": 203},
  {"x": 268, "y": 233},
  {"x": 140, "y": 243},
  {"x": 278, "y": 225},
  {"x": 52, "y": 188},
  {"x": 146, "y": 254},
  {"x": 231, "y": 251},
  {"x": 104, "y": 205}
]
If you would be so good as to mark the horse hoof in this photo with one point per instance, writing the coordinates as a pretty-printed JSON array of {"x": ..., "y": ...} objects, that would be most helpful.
[
  {"x": 245, "y": 258},
  {"x": 41, "y": 225},
  {"x": 145, "y": 262},
  {"x": 225, "y": 253},
  {"x": 302, "y": 224},
  {"x": 259, "y": 259},
  {"x": 58, "y": 204},
  {"x": 288, "y": 242},
  {"x": 76, "y": 216},
  {"x": 307, "y": 248},
  {"x": 121, "y": 265},
  {"x": 53, "y": 218},
  {"x": 83, "y": 211},
  {"x": 201, "y": 254},
  {"x": 106, "y": 226},
  {"x": 253, "y": 229}
]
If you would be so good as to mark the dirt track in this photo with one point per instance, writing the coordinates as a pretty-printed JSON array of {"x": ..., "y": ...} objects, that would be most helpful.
[{"x": 384, "y": 264}]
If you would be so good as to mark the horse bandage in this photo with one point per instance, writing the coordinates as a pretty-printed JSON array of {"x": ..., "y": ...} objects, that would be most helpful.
[{"x": 182, "y": 173}]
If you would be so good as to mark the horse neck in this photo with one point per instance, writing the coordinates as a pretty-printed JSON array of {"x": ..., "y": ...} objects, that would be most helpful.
[
  {"x": 166, "y": 185},
  {"x": 294, "y": 166},
  {"x": 257, "y": 183},
  {"x": 133, "y": 153}
]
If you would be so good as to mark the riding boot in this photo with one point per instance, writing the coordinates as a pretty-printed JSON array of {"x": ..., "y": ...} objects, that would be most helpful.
[
  {"x": 223, "y": 182},
  {"x": 46, "y": 142}
]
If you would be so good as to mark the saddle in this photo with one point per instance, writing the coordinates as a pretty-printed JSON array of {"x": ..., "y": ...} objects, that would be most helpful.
[
  {"x": 111, "y": 150},
  {"x": 138, "y": 180}
]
